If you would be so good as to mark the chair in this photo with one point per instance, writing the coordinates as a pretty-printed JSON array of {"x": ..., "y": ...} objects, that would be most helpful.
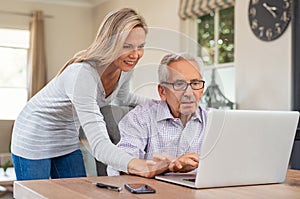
[{"x": 112, "y": 115}]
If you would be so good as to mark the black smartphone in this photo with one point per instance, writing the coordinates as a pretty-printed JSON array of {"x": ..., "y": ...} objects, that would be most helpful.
[{"x": 139, "y": 188}]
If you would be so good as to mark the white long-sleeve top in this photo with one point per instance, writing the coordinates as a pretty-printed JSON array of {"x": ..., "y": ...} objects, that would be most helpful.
[{"x": 49, "y": 124}]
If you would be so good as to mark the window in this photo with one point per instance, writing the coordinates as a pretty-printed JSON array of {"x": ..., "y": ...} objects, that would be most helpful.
[
  {"x": 216, "y": 39},
  {"x": 14, "y": 46}
]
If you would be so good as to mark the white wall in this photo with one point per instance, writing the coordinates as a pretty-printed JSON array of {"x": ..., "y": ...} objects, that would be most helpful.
[{"x": 263, "y": 69}]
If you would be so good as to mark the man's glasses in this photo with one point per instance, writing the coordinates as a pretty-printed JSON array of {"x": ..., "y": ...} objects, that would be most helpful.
[{"x": 181, "y": 85}]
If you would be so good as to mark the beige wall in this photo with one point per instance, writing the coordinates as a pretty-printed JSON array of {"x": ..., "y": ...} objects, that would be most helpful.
[
  {"x": 163, "y": 37},
  {"x": 5, "y": 135},
  {"x": 263, "y": 69},
  {"x": 160, "y": 14}
]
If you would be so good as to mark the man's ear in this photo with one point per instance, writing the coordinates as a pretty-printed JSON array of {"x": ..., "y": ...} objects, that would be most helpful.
[{"x": 162, "y": 92}]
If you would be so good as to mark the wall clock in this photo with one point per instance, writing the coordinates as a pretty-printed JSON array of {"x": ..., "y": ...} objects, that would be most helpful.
[{"x": 269, "y": 19}]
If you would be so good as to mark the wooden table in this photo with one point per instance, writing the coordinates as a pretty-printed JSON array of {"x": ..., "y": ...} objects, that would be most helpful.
[{"x": 83, "y": 188}]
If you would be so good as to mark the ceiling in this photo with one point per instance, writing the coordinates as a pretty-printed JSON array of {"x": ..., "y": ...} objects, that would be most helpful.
[{"x": 83, "y": 3}]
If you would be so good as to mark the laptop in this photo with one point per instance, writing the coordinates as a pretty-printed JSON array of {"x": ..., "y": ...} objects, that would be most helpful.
[{"x": 242, "y": 147}]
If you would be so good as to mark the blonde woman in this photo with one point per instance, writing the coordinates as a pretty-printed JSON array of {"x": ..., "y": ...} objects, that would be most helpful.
[{"x": 45, "y": 140}]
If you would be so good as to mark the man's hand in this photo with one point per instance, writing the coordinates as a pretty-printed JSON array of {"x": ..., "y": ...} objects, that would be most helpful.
[{"x": 185, "y": 163}]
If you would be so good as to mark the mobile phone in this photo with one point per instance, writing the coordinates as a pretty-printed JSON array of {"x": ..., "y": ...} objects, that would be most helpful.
[{"x": 139, "y": 188}]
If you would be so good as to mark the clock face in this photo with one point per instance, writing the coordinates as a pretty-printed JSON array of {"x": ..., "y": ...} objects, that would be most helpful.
[{"x": 269, "y": 18}]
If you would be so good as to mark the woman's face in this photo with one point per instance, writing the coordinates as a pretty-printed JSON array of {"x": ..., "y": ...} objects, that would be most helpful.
[{"x": 133, "y": 50}]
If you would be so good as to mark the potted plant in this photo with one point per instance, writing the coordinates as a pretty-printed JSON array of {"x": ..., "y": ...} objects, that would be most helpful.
[{"x": 5, "y": 167}]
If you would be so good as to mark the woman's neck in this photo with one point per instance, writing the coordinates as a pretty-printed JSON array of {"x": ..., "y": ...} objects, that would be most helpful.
[
  {"x": 109, "y": 78},
  {"x": 109, "y": 72}
]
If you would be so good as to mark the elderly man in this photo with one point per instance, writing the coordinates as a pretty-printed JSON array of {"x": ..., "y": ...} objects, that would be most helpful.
[{"x": 172, "y": 127}]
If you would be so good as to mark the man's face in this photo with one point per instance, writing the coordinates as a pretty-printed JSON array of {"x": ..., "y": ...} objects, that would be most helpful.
[{"x": 182, "y": 102}]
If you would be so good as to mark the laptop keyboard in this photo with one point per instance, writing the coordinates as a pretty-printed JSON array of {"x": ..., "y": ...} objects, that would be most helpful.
[{"x": 190, "y": 179}]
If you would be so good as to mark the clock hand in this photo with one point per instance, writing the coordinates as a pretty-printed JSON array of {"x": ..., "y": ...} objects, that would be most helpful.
[{"x": 270, "y": 9}]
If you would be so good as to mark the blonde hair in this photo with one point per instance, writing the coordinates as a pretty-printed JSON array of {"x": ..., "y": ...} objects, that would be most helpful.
[{"x": 110, "y": 38}]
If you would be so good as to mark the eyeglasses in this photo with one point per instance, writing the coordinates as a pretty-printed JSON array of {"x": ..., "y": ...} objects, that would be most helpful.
[{"x": 181, "y": 85}]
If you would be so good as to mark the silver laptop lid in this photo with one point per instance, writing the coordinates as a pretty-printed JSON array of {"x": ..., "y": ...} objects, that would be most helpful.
[{"x": 243, "y": 147}]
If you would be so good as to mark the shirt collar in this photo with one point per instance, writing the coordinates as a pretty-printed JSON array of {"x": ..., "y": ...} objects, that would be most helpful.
[{"x": 164, "y": 113}]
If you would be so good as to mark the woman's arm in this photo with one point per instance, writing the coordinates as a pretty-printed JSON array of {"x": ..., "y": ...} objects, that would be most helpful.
[
  {"x": 83, "y": 91},
  {"x": 135, "y": 133}
]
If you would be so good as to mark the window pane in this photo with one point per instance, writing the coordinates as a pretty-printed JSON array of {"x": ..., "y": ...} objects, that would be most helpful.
[
  {"x": 226, "y": 36},
  {"x": 220, "y": 90},
  {"x": 14, "y": 38},
  {"x": 206, "y": 38},
  {"x": 14, "y": 46},
  {"x": 13, "y": 67},
  {"x": 221, "y": 87}
]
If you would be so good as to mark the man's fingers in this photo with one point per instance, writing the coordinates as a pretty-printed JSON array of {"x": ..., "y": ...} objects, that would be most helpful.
[
  {"x": 195, "y": 159},
  {"x": 184, "y": 163},
  {"x": 178, "y": 165},
  {"x": 193, "y": 156},
  {"x": 175, "y": 166},
  {"x": 192, "y": 162}
]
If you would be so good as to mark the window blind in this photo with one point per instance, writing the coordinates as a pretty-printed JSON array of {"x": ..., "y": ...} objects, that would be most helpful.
[{"x": 197, "y": 8}]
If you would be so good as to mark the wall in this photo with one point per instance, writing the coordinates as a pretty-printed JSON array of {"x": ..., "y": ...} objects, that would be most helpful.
[
  {"x": 5, "y": 135},
  {"x": 263, "y": 69},
  {"x": 163, "y": 37}
]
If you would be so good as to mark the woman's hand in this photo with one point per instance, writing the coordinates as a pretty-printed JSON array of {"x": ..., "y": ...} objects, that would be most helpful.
[
  {"x": 149, "y": 168},
  {"x": 185, "y": 163}
]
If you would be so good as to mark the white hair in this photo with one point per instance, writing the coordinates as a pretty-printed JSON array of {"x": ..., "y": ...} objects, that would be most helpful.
[{"x": 163, "y": 71}]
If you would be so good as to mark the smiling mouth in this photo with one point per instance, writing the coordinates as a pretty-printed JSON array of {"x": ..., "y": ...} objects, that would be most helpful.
[{"x": 130, "y": 62}]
